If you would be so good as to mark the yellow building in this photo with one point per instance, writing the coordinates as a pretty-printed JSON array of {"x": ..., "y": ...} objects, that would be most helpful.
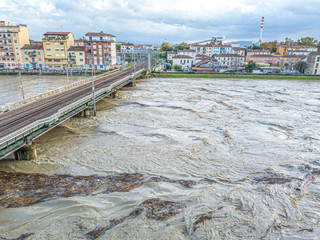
[
  {"x": 76, "y": 57},
  {"x": 12, "y": 39},
  {"x": 55, "y": 46}
]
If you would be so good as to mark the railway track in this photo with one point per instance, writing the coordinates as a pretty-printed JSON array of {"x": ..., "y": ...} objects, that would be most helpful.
[{"x": 18, "y": 118}]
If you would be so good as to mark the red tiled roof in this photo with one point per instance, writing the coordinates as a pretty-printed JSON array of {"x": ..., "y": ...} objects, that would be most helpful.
[
  {"x": 99, "y": 34},
  {"x": 228, "y": 55},
  {"x": 33, "y": 46},
  {"x": 181, "y": 56},
  {"x": 76, "y": 48},
  {"x": 57, "y": 33},
  {"x": 258, "y": 50},
  {"x": 187, "y": 50}
]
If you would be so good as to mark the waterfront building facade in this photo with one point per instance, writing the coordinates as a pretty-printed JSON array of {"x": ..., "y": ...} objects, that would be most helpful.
[
  {"x": 76, "y": 57},
  {"x": 12, "y": 39},
  {"x": 188, "y": 52},
  {"x": 230, "y": 60},
  {"x": 210, "y": 50},
  {"x": 55, "y": 46},
  {"x": 258, "y": 52},
  {"x": 313, "y": 64},
  {"x": 286, "y": 49},
  {"x": 171, "y": 54},
  {"x": 100, "y": 50},
  {"x": 32, "y": 56},
  {"x": 182, "y": 60}
]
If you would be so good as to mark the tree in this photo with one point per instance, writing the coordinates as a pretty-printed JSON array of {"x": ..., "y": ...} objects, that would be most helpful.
[
  {"x": 288, "y": 42},
  {"x": 118, "y": 47},
  {"x": 168, "y": 66},
  {"x": 177, "y": 67},
  {"x": 307, "y": 41},
  {"x": 300, "y": 66},
  {"x": 181, "y": 46},
  {"x": 165, "y": 47},
  {"x": 272, "y": 46},
  {"x": 252, "y": 66}
]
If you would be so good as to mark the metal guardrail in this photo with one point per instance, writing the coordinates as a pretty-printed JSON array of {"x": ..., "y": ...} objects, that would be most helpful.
[
  {"x": 61, "y": 114},
  {"x": 11, "y": 106}
]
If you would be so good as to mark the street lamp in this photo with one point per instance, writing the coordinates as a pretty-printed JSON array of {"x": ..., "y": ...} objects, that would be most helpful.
[{"x": 93, "y": 88}]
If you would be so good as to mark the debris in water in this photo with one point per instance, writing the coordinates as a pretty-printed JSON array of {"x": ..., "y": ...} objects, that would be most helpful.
[
  {"x": 202, "y": 218},
  {"x": 152, "y": 208},
  {"x": 22, "y": 189},
  {"x": 273, "y": 178},
  {"x": 22, "y": 237}
]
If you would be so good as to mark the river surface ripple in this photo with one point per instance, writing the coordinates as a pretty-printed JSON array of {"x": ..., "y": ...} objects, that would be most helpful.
[{"x": 257, "y": 141}]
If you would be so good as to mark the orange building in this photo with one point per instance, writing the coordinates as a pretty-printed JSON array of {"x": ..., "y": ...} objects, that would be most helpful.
[{"x": 285, "y": 49}]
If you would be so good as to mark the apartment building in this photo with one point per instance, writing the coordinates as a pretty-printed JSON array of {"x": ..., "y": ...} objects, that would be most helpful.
[
  {"x": 76, "y": 57},
  {"x": 210, "y": 50},
  {"x": 182, "y": 60},
  {"x": 291, "y": 60},
  {"x": 230, "y": 60},
  {"x": 313, "y": 64},
  {"x": 12, "y": 39},
  {"x": 100, "y": 50},
  {"x": 258, "y": 52},
  {"x": 55, "y": 46},
  {"x": 268, "y": 59},
  {"x": 239, "y": 51},
  {"x": 189, "y": 52},
  {"x": 79, "y": 43},
  {"x": 285, "y": 49},
  {"x": 32, "y": 56},
  {"x": 128, "y": 47},
  {"x": 170, "y": 55}
]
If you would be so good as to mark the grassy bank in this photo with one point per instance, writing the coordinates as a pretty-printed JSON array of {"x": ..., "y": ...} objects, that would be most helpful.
[{"x": 237, "y": 76}]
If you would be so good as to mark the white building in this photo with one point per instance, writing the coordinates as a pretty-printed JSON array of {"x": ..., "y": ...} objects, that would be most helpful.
[
  {"x": 230, "y": 60},
  {"x": 170, "y": 55},
  {"x": 127, "y": 47},
  {"x": 189, "y": 52},
  {"x": 182, "y": 60},
  {"x": 210, "y": 50}
]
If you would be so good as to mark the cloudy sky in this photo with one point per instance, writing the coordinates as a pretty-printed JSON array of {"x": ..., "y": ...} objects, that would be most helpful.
[{"x": 156, "y": 21}]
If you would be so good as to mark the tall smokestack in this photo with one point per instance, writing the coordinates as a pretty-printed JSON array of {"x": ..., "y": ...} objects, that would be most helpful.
[{"x": 261, "y": 31}]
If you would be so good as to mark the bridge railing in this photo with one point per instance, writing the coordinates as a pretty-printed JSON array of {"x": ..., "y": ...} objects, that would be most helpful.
[{"x": 12, "y": 106}]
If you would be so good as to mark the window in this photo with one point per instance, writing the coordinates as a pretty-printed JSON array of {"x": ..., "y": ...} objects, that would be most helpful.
[
  {"x": 318, "y": 59},
  {"x": 61, "y": 43},
  {"x": 26, "y": 59},
  {"x": 49, "y": 54},
  {"x": 57, "y": 49},
  {"x": 25, "y": 53},
  {"x": 81, "y": 60},
  {"x": 48, "y": 49},
  {"x": 317, "y": 65},
  {"x": 58, "y": 54},
  {"x": 47, "y": 43},
  {"x": 38, "y": 53},
  {"x": 62, "y": 49},
  {"x": 39, "y": 59},
  {"x": 81, "y": 54}
]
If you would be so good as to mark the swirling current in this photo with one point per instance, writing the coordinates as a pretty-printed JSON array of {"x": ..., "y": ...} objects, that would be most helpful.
[{"x": 175, "y": 159}]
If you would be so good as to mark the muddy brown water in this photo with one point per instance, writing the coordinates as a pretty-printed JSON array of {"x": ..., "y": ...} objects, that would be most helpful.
[{"x": 188, "y": 159}]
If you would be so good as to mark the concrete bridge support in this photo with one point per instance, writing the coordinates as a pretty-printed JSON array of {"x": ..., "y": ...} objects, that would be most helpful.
[
  {"x": 27, "y": 152},
  {"x": 88, "y": 112}
]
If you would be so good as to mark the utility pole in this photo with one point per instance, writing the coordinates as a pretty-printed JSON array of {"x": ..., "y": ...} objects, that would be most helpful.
[
  {"x": 21, "y": 86},
  {"x": 93, "y": 89}
]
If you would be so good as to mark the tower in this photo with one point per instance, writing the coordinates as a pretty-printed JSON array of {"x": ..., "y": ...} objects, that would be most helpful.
[{"x": 261, "y": 31}]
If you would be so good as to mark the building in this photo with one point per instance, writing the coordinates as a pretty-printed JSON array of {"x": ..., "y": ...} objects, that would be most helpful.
[
  {"x": 12, "y": 39},
  {"x": 210, "y": 50},
  {"x": 268, "y": 59},
  {"x": 285, "y": 49},
  {"x": 216, "y": 40},
  {"x": 190, "y": 53},
  {"x": 55, "y": 46},
  {"x": 32, "y": 56},
  {"x": 79, "y": 43},
  {"x": 207, "y": 65},
  {"x": 258, "y": 52},
  {"x": 170, "y": 55},
  {"x": 239, "y": 51},
  {"x": 76, "y": 57},
  {"x": 182, "y": 60},
  {"x": 128, "y": 47},
  {"x": 291, "y": 60},
  {"x": 313, "y": 64},
  {"x": 100, "y": 50},
  {"x": 230, "y": 60},
  {"x": 200, "y": 58}
]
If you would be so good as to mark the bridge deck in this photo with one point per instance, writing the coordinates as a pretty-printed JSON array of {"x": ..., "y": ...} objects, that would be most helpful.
[{"x": 16, "y": 119}]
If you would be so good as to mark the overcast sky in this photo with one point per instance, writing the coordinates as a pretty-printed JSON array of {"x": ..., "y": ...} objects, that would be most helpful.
[{"x": 156, "y": 21}]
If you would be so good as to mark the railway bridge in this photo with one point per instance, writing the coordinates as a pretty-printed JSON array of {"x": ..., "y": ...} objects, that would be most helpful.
[{"x": 23, "y": 122}]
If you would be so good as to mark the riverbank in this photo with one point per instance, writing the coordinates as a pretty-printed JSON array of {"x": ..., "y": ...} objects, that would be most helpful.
[{"x": 238, "y": 76}]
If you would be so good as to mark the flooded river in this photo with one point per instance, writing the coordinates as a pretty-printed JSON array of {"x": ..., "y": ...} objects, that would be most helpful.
[{"x": 175, "y": 159}]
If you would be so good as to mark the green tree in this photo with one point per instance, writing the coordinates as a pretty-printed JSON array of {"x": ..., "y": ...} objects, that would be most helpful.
[
  {"x": 288, "y": 42},
  {"x": 181, "y": 46},
  {"x": 165, "y": 47},
  {"x": 307, "y": 41},
  {"x": 252, "y": 66},
  {"x": 168, "y": 66},
  {"x": 177, "y": 67},
  {"x": 300, "y": 66},
  {"x": 118, "y": 47},
  {"x": 272, "y": 46}
]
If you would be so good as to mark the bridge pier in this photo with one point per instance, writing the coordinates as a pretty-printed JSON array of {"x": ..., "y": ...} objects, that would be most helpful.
[
  {"x": 88, "y": 112},
  {"x": 27, "y": 152},
  {"x": 131, "y": 84}
]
